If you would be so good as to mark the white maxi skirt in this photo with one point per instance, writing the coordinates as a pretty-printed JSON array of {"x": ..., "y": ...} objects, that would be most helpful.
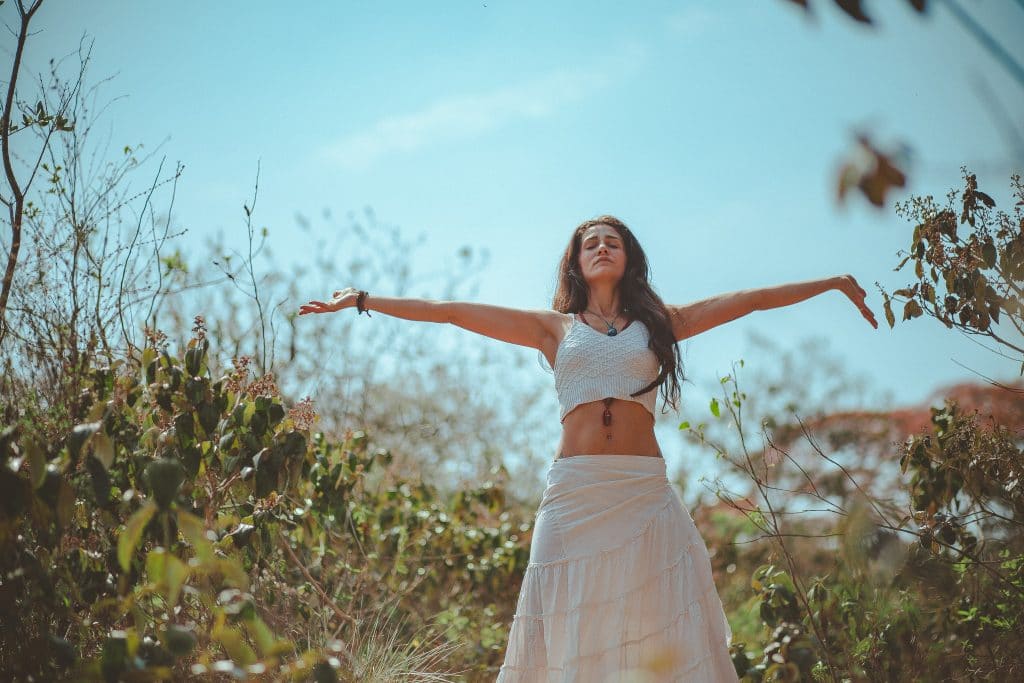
[{"x": 618, "y": 587}]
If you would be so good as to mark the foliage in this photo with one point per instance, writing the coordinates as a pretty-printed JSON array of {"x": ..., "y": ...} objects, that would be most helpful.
[
  {"x": 972, "y": 282},
  {"x": 855, "y": 588},
  {"x": 167, "y": 516},
  {"x": 883, "y": 565},
  {"x": 191, "y": 523}
]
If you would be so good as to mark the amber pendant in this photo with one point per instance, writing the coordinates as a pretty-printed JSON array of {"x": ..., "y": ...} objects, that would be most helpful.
[{"x": 606, "y": 417}]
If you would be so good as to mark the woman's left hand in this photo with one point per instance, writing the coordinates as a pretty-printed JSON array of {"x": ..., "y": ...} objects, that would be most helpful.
[{"x": 848, "y": 286}]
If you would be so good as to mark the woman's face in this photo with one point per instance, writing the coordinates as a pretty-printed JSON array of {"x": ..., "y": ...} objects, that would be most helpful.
[{"x": 602, "y": 254}]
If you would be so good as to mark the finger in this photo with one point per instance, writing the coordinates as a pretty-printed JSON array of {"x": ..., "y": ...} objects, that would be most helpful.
[{"x": 321, "y": 304}]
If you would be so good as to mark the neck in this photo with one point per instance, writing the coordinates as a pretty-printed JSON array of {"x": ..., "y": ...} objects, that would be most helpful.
[{"x": 604, "y": 300}]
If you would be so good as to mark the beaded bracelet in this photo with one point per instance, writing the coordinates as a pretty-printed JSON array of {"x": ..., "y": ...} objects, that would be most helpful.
[{"x": 359, "y": 303}]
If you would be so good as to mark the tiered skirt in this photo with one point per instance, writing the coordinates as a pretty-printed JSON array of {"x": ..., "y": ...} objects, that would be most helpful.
[{"x": 618, "y": 587}]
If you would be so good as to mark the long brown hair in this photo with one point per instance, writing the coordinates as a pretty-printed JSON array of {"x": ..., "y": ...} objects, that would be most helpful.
[{"x": 637, "y": 298}]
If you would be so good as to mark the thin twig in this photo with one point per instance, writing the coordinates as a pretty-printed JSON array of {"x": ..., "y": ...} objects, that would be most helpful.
[{"x": 313, "y": 582}]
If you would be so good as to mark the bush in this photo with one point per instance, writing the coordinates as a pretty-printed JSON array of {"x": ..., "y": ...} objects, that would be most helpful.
[{"x": 191, "y": 523}]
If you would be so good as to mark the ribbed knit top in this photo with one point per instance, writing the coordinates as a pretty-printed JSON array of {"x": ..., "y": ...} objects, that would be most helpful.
[{"x": 590, "y": 366}]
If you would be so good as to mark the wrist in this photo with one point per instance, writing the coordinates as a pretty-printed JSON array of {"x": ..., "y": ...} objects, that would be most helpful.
[{"x": 361, "y": 304}]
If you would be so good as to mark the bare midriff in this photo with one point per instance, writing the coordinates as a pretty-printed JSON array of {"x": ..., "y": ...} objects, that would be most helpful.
[{"x": 631, "y": 431}]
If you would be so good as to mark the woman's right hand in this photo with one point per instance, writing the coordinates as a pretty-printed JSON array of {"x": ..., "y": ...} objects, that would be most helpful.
[{"x": 342, "y": 298}]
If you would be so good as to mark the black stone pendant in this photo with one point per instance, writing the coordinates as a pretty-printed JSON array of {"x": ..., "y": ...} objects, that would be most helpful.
[{"x": 612, "y": 332}]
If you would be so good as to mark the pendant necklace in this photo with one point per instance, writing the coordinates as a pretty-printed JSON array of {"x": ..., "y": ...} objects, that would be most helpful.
[
  {"x": 611, "y": 328},
  {"x": 606, "y": 416}
]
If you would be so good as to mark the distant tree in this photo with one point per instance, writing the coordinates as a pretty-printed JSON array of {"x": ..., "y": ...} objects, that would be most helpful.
[{"x": 50, "y": 121}]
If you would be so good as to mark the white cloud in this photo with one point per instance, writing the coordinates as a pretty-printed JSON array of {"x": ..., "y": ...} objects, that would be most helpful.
[{"x": 467, "y": 116}]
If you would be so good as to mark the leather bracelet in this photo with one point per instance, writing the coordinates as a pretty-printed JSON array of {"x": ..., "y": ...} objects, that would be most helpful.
[{"x": 359, "y": 303}]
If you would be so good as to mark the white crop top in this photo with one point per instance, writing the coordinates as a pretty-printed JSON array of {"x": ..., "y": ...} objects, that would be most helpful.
[{"x": 590, "y": 366}]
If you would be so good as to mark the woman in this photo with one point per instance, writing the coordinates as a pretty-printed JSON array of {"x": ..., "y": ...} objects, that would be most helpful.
[{"x": 619, "y": 580}]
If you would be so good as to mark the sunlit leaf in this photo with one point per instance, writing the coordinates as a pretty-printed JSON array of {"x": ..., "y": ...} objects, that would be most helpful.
[
  {"x": 266, "y": 642},
  {"x": 193, "y": 530},
  {"x": 234, "y": 645},
  {"x": 168, "y": 571},
  {"x": 911, "y": 310},
  {"x": 890, "y": 317},
  {"x": 129, "y": 538}
]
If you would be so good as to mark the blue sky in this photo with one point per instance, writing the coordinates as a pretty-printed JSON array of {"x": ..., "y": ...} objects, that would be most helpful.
[{"x": 712, "y": 128}]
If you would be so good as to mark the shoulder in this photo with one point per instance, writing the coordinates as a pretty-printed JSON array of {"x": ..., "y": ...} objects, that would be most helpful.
[{"x": 556, "y": 322}]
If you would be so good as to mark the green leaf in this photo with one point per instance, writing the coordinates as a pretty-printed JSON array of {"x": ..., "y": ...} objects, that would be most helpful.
[
  {"x": 248, "y": 412},
  {"x": 156, "y": 560},
  {"x": 148, "y": 356},
  {"x": 37, "y": 463},
  {"x": 129, "y": 538},
  {"x": 192, "y": 528},
  {"x": 168, "y": 572},
  {"x": 103, "y": 449},
  {"x": 115, "y": 654},
  {"x": 79, "y": 435},
  {"x": 175, "y": 574},
  {"x": 234, "y": 644},
  {"x": 323, "y": 672},
  {"x": 63, "y": 651},
  {"x": 65, "y": 502},
  {"x": 266, "y": 642},
  {"x": 715, "y": 410},
  {"x": 165, "y": 476},
  {"x": 179, "y": 640},
  {"x": 684, "y": 425},
  {"x": 988, "y": 253}
]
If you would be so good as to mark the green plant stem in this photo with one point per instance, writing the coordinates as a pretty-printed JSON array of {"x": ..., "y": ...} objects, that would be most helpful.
[{"x": 736, "y": 413}]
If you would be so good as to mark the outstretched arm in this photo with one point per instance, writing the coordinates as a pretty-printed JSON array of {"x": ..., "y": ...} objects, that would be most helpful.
[
  {"x": 533, "y": 328},
  {"x": 700, "y": 316}
]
